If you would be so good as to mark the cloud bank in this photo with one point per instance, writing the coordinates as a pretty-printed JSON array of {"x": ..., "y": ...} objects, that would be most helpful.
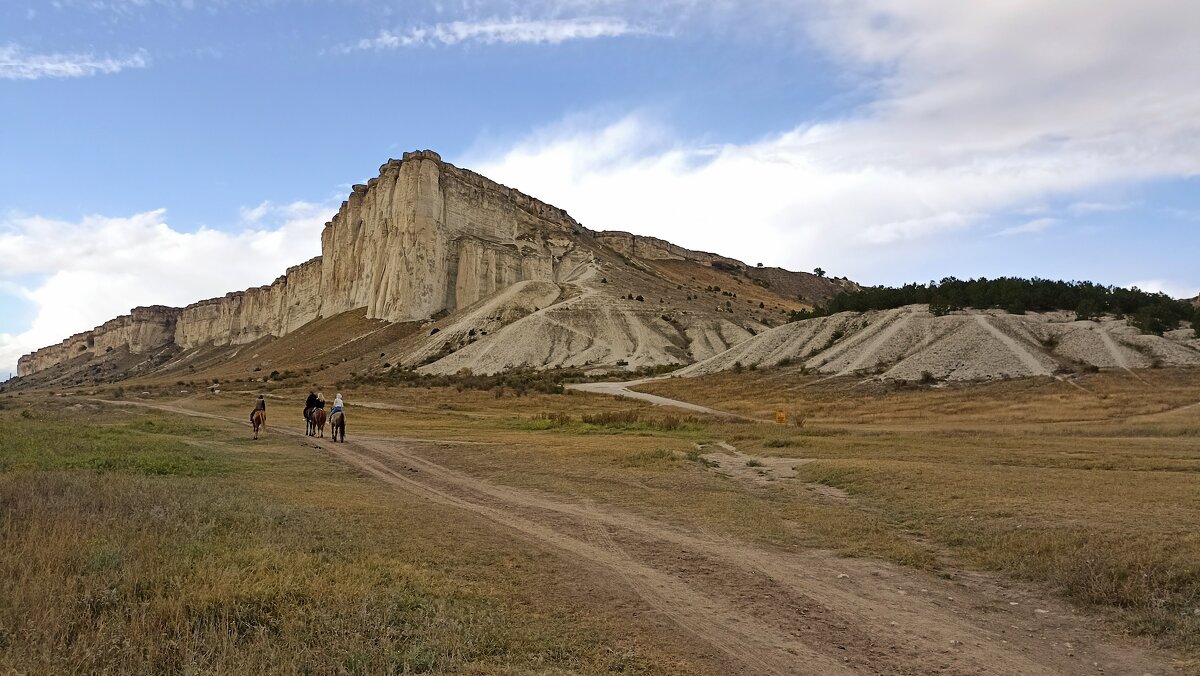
[
  {"x": 979, "y": 111},
  {"x": 87, "y": 272}
]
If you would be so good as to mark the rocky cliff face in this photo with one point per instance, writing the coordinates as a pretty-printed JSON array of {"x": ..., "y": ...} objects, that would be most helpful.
[
  {"x": 654, "y": 249},
  {"x": 144, "y": 329},
  {"x": 424, "y": 237}
]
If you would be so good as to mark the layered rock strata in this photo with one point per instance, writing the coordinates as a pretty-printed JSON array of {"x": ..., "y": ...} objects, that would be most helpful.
[
  {"x": 424, "y": 237},
  {"x": 142, "y": 330}
]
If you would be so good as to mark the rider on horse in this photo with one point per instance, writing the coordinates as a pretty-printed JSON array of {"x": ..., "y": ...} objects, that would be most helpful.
[
  {"x": 260, "y": 404},
  {"x": 337, "y": 404},
  {"x": 310, "y": 404}
]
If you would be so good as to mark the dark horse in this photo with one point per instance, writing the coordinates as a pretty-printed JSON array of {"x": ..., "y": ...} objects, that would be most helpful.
[
  {"x": 316, "y": 423},
  {"x": 259, "y": 420},
  {"x": 337, "y": 423}
]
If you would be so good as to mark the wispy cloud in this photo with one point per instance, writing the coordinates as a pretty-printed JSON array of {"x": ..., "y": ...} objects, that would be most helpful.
[
  {"x": 1033, "y": 227},
  {"x": 501, "y": 31},
  {"x": 958, "y": 134},
  {"x": 1083, "y": 208},
  {"x": 17, "y": 64}
]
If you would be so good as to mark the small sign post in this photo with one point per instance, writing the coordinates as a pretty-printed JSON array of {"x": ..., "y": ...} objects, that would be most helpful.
[{"x": 780, "y": 417}]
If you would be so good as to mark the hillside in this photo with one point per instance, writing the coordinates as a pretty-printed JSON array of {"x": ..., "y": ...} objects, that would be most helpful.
[
  {"x": 470, "y": 274},
  {"x": 910, "y": 343}
]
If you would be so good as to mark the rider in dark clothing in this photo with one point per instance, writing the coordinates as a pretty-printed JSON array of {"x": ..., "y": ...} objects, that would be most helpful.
[
  {"x": 310, "y": 403},
  {"x": 260, "y": 404}
]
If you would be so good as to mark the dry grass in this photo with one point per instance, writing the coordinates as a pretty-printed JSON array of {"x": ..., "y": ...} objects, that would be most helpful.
[
  {"x": 1094, "y": 489},
  {"x": 134, "y": 542},
  {"x": 1090, "y": 487}
]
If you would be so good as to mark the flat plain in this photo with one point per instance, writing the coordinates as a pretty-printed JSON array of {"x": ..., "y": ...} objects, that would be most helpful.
[{"x": 1026, "y": 526}]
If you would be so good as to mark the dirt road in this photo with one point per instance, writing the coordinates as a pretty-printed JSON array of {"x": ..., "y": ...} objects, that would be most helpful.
[
  {"x": 768, "y": 611},
  {"x": 622, "y": 389}
]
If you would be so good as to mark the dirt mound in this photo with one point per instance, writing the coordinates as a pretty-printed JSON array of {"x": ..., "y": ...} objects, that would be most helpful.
[
  {"x": 595, "y": 330},
  {"x": 909, "y": 343}
]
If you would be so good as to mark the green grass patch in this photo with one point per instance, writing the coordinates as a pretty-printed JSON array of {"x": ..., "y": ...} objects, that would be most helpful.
[
  {"x": 54, "y": 440},
  {"x": 611, "y": 422},
  {"x": 283, "y": 562},
  {"x": 661, "y": 457}
]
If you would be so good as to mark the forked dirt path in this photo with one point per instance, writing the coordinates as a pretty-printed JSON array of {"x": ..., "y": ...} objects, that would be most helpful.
[
  {"x": 771, "y": 611},
  {"x": 621, "y": 389}
]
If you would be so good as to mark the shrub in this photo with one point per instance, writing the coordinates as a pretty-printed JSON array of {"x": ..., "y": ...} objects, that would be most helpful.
[{"x": 645, "y": 458}]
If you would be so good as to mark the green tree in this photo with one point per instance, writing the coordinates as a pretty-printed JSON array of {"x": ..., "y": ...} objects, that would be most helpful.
[
  {"x": 819, "y": 272},
  {"x": 1087, "y": 309}
]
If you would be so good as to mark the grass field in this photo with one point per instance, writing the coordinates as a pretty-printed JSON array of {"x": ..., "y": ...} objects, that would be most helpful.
[
  {"x": 1092, "y": 487},
  {"x": 139, "y": 540}
]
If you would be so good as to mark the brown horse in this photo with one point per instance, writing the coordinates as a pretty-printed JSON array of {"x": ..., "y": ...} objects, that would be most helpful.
[
  {"x": 259, "y": 420},
  {"x": 316, "y": 423},
  {"x": 337, "y": 423}
]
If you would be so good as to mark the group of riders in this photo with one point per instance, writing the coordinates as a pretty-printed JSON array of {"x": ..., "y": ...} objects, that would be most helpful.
[
  {"x": 317, "y": 401},
  {"x": 314, "y": 402}
]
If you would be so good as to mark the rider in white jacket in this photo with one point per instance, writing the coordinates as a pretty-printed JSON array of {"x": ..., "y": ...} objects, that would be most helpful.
[{"x": 337, "y": 403}]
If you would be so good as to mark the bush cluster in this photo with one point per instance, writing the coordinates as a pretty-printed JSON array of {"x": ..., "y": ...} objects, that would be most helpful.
[
  {"x": 520, "y": 381},
  {"x": 1149, "y": 312}
]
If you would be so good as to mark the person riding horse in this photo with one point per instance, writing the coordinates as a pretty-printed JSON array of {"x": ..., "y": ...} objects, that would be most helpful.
[
  {"x": 310, "y": 404},
  {"x": 260, "y": 404}
]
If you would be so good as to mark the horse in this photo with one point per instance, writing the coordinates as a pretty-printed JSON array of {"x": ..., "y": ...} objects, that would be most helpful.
[
  {"x": 337, "y": 423},
  {"x": 316, "y": 423},
  {"x": 259, "y": 420}
]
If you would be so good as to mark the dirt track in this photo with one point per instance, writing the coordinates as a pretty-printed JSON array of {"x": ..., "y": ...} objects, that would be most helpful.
[
  {"x": 773, "y": 611},
  {"x": 622, "y": 389}
]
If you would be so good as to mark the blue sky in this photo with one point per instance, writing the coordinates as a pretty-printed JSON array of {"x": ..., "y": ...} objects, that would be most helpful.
[{"x": 164, "y": 151}]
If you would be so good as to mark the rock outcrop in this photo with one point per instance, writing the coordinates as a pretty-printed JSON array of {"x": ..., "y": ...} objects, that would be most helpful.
[
  {"x": 140, "y": 331},
  {"x": 910, "y": 344},
  {"x": 425, "y": 240},
  {"x": 655, "y": 249}
]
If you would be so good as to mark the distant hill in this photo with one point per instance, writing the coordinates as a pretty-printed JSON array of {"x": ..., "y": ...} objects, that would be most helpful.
[
  {"x": 432, "y": 270},
  {"x": 438, "y": 268},
  {"x": 910, "y": 343}
]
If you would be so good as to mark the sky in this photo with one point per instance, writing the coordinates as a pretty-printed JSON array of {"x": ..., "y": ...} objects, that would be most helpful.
[{"x": 166, "y": 151}]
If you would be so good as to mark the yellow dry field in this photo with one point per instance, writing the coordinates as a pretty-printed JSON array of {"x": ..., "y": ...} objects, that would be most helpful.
[
  {"x": 468, "y": 531},
  {"x": 1092, "y": 486}
]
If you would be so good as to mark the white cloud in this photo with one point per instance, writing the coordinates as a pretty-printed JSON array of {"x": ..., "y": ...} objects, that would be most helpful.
[
  {"x": 16, "y": 64},
  {"x": 981, "y": 110},
  {"x": 501, "y": 31},
  {"x": 1033, "y": 227},
  {"x": 90, "y": 271},
  {"x": 1085, "y": 208},
  {"x": 1172, "y": 288}
]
